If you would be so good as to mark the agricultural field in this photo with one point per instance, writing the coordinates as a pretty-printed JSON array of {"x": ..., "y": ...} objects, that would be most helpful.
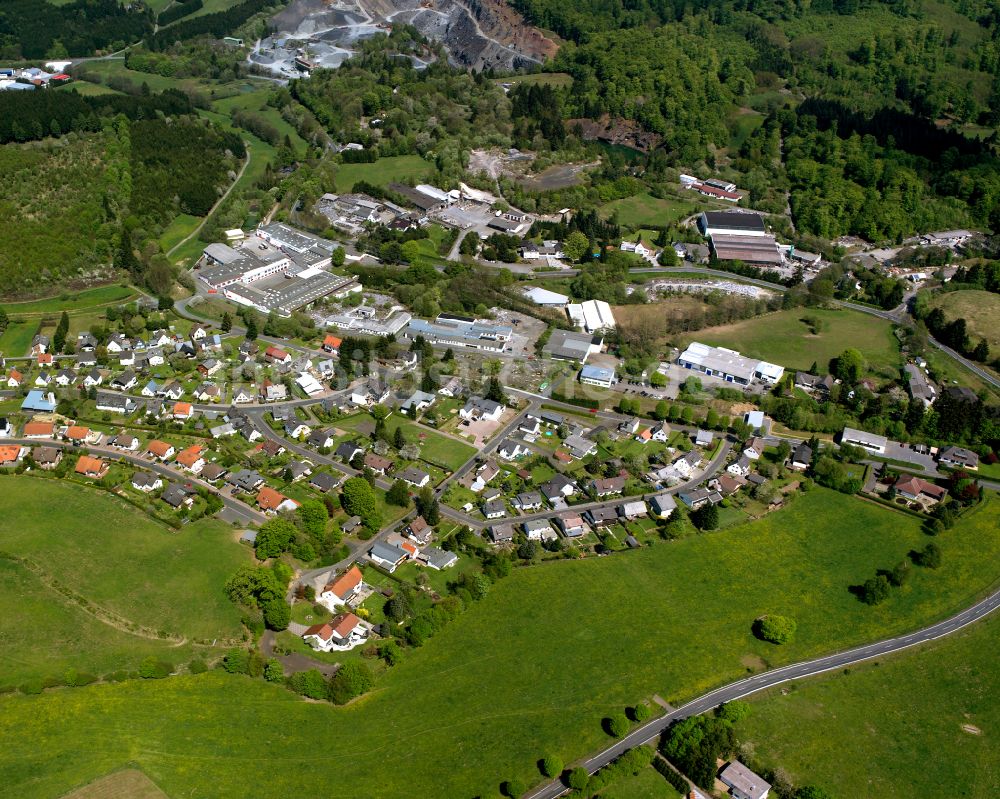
[
  {"x": 783, "y": 338},
  {"x": 699, "y": 594},
  {"x": 382, "y": 172},
  {"x": 910, "y": 725},
  {"x": 125, "y": 566},
  {"x": 979, "y": 309}
]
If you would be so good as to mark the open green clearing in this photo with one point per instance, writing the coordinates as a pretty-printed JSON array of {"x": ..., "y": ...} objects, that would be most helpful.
[
  {"x": 71, "y": 302},
  {"x": 118, "y": 560},
  {"x": 645, "y": 209},
  {"x": 783, "y": 338},
  {"x": 532, "y": 668},
  {"x": 892, "y": 728},
  {"x": 383, "y": 172},
  {"x": 979, "y": 309},
  {"x": 16, "y": 339}
]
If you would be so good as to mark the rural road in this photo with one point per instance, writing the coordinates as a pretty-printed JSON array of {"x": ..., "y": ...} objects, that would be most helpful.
[{"x": 770, "y": 679}]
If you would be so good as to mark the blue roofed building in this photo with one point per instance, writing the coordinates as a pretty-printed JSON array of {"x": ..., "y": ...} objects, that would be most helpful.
[{"x": 39, "y": 402}]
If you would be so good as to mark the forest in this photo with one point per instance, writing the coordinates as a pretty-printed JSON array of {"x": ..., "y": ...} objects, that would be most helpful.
[
  {"x": 33, "y": 29},
  {"x": 217, "y": 25}
]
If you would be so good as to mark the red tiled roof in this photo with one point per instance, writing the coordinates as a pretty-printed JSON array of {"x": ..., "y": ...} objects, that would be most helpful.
[
  {"x": 77, "y": 432},
  {"x": 346, "y": 583},
  {"x": 189, "y": 456},
  {"x": 269, "y": 499},
  {"x": 158, "y": 448},
  {"x": 38, "y": 429},
  {"x": 89, "y": 465}
]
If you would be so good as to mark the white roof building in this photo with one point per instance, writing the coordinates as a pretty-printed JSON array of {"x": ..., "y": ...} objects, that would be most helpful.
[
  {"x": 592, "y": 315},
  {"x": 541, "y": 296}
]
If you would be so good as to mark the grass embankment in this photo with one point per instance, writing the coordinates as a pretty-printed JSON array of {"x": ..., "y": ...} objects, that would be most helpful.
[
  {"x": 531, "y": 669},
  {"x": 642, "y": 210},
  {"x": 783, "y": 338},
  {"x": 922, "y": 723},
  {"x": 979, "y": 309},
  {"x": 122, "y": 564}
]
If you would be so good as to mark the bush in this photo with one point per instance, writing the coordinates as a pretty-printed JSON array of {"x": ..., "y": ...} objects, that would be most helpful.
[
  {"x": 513, "y": 788},
  {"x": 929, "y": 557},
  {"x": 616, "y": 725},
  {"x": 351, "y": 680},
  {"x": 274, "y": 671},
  {"x": 237, "y": 661},
  {"x": 875, "y": 590},
  {"x": 641, "y": 712},
  {"x": 308, "y": 683},
  {"x": 776, "y": 629},
  {"x": 197, "y": 666},
  {"x": 733, "y": 712},
  {"x": 578, "y": 779},
  {"x": 153, "y": 669},
  {"x": 551, "y": 765},
  {"x": 277, "y": 614}
]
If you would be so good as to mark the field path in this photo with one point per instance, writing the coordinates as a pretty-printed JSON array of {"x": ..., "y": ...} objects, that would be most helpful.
[{"x": 218, "y": 202}]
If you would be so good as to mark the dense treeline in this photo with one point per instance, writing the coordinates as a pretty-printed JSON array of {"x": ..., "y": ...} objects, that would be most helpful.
[
  {"x": 28, "y": 116},
  {"x": 985, "y": 276},
  {"x": 218, "y": 24},
  {"x": 203, "y": 59},
  {"x": 31, "y": 29}
]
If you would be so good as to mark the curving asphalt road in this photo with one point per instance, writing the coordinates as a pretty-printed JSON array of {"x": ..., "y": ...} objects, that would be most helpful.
[{"x": 759, "y": 682}]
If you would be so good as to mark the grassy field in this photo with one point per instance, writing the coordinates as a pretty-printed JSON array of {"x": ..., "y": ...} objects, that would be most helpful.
[
  {"x": 16, "y": 339},
  {"x": 922, "y": 723},
  {"x": 72, "y": 302},
  {"x": 434, "y": 447},
  {"x": 784, "y": 339},
  {"x": 979, "y": 309},
  {"x": 382, "y": 172},
  {"x": 644, "y": 209},
  {"x": 120, "y": 562},
  {"x": 672, "y": 619}
]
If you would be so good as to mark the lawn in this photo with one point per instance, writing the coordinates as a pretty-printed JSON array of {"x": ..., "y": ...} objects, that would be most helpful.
[
  {"x": 118, "y": 560},
  {"x": 893, "y": 728},
  {"x": 979, "y": 309},
  {"x": 644, "y": 209},
  {"x": 180, "y": 228},
  {"x": 674, "y": 617},
  {"x": 783, "y": 338},
  {"x": 383, "y": 172}
]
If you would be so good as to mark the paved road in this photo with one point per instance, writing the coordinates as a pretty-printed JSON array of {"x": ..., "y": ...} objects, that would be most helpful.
[
  {"x": 243, "y": 512},
  {"x": 797, "y": 671}
]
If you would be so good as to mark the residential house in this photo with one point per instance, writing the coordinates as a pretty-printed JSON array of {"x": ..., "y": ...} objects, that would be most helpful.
[
  {"x": 272, "y": 448},
  {"x": 727, "y": 484},
  {"x": 801, "y": 457},
  {"x": 501, "y": 533},
  {"x": 213, "y": 471},
  {"x": 387, "y": 556},
  {"x": 704, "y": 438},
  {"x": 438, "y": 559},
  {"x": 813, "y": 383},
  {"x": 93, "y": 379},
  {"x": 116, "y": 403},
  {"x": 341, "y": 633},
  {"x": 297, "y": 470},
  {"x": 91, "y": 467},
  {"x": 511, "y": 449},
  {"x": 182, "y": 410},
  {"x": 14, "y": 378},
  {"x": 740, "y": 467},
  {"x": 662, "y": 505},
  {"x": 559, "y": 487},
  {"x": 296, "y": 429},
  {"x": 347, "y": 451},
  {"x": 484, "y": 474},
  {"x": 579, "y": 446},
  {"x": 160, "y": 449},
  {"x": 419, "y": 401},
  {"x": 742, "y": 782},
  {"x": 494, "y": 509},
  {"x": 38, "y": 401},
  {"x": 125, "y": 381},
  {"x": 242, "y": 395},
  {"x": 151, "y": 389},
  {"x": 350, "y": 525},
  {"x": 917, "y": 489},
  {"x": 273, "y": 392},
  {"x": 332, "y": 344},
  {"x": 43, "y": 379},
  {"x": 177, "y": 495},
  {"x": 344, "y": 591},
  {"x": 601, "y": 518},
  {"x": 125, "y": 442},
  {"x": 608, "y": 486},
  {"x": 480, "y": 409},
  {"x": 571, "y": 525},
  {"x": 754, "y": 448},
  {"x": 271, "y": 501},
  {"x": 192, "y": 459},
  {"x": 419, "y": 531},
  {"x": 146, "y": 482},
  {"x": 38, "y": 430},
  {"x": 320, "y": 439},
  {"x": 39, "y": 344},
  {"x": 65, "y": 377},
  {"x": 453, "y": 388},
  {"x": 633, "y": 509},
  {"x": 373, "y": 392},
  {"x": 245, "y": 480},
  {"x": 324, "y": 482},
  {"x": 47, "y": 457},
  {"x": 958, "y": 458},
  {"x": 414, "y": 477},
  {"x": 11, "y": 454},
  {"x": 629, "y": 427},
  {"x": 377, "y": 463},
  {"x": 687, "y": 464},
  {"x": 172, "y": 391},
  {"x": 528, "y": 501},
  {"x": 538, "y": 530},
  {"x": 697, "y": 497},
  {"x": 276, "y": 355}
]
